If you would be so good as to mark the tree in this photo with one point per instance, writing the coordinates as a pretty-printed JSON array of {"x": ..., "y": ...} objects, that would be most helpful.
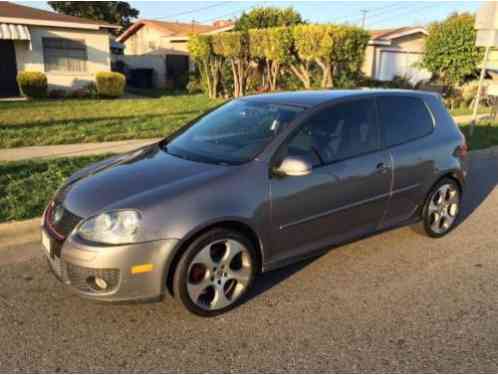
[
  {"x": 234, "y": 47},
  {"x": 335, "y": 49},
  {"x": 450, "y": 50},
  {"x": 271, "y": 46},
  {"x": 265, "y": 17},
  {"x": 114, "y": 12},
  {"x": 209, "y": 64}
]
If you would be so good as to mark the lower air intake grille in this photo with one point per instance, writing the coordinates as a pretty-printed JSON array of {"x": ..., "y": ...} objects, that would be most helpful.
[{"x": 81, "y": 277}]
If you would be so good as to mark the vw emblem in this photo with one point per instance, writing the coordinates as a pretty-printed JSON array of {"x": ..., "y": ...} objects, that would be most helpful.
[{"x": 58, "y": 212}]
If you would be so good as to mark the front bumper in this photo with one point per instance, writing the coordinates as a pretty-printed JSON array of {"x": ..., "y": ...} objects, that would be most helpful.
[{"x": 132, "y": 272}]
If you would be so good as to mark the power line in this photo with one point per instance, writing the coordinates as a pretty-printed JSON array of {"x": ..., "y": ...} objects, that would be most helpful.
[
  {"x": 373, "y": 12},
  {"x": 245, "y": 8},
  {"x": 404, "y": 11},
  {"x": 191, "y": 11}
]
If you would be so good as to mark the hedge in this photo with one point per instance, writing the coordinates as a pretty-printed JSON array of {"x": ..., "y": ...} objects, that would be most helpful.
[
  {"x": 32, "y": 84},
  {"x": 110, "y": 84}
]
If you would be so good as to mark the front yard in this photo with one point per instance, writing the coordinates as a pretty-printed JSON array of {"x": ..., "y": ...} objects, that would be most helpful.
[
  {"x": 27, "y": 186},
  {"x": 49, "y": 122}
]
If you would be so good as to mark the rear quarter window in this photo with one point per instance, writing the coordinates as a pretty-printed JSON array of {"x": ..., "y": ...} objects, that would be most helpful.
[{"x": 403, "y": 119}]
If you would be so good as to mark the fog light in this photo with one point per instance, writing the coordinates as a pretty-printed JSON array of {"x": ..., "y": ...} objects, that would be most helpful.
[
  {"x": 101, "y": 283},
  {"x": 97, "y": 283}
]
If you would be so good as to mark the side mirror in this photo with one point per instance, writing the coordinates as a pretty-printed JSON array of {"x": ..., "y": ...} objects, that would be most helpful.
[{"x": 294, "y": 166}]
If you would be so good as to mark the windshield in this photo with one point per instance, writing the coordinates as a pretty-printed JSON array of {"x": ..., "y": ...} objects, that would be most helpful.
[{"x": 232, "y": 134}]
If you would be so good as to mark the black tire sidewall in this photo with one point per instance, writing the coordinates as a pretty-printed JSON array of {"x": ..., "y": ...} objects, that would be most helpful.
[
  {"x": 425, "y": 215},
  {"x": 181, "y": 271}
]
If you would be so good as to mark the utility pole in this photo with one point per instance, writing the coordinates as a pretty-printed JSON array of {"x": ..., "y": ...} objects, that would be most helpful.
[{"x": 364, "y": 18}]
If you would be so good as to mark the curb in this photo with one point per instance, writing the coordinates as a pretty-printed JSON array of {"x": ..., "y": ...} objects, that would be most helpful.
[{"x": 19, "y": 233}]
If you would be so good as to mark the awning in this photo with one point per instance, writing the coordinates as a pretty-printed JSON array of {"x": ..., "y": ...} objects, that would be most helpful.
[{"x": 12, "y": 31}]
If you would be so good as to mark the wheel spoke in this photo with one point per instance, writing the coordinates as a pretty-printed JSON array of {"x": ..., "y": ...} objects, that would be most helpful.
[
  {"x": 220, "y": 300},
  {"x": 204, "y": 257},
  {"x": 436, "y": 224},
  {"x": 242, "y": 275},
  {"x": 443, "y": 193},
  {"x": 196, "y": 290},
  {"x": 433, "y": 207},
  {"x": 233, "y": 249},
  {"x": 453, "y": 209}
]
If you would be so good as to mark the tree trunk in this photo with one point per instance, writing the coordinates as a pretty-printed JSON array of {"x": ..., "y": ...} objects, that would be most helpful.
[
  {"x": 302, "y": 72},
  {"x": 326, "y": 73},
  {"x": 274, "y": 71}
]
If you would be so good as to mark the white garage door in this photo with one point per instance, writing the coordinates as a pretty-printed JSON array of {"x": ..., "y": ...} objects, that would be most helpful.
[{"x": 400, "y": 64}]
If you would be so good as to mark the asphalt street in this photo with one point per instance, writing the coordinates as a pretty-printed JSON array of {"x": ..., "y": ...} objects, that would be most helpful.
[{"x": 393, "y": 302}]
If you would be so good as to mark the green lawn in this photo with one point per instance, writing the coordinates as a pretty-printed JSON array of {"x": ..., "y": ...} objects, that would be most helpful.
[
  {"x": 485, "y": 135},
  {"x": 27, "y": 186},
  {"x": 51, "y": 122},
  {"x": 464, "y": 111}
]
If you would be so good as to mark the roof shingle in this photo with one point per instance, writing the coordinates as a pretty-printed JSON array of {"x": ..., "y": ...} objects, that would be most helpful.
[{"x": 16, "y": 11}]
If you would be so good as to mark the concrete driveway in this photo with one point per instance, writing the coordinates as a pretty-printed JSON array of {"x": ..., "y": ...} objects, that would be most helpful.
[{"x": 394, "y": 302}]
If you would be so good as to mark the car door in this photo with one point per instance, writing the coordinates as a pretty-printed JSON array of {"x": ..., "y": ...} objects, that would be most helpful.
[
  {"x": 406, "y": 124},
  {"x": 346, "y": 192}
]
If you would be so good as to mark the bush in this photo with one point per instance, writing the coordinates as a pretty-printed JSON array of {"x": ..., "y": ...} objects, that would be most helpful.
[
  {"x": 57, "y": 94},
  {"x": 32, "y": 84},
  {"x": 450, "y": 50},
  {"x": 110, "y": 84}
]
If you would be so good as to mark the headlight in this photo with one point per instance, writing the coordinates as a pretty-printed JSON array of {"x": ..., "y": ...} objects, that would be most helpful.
[{"x": 113, "y": 227}]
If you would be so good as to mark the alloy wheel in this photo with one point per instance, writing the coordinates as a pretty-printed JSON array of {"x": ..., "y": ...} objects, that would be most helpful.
[
  {"x": 219, "y": 274},
  {"x": 443, "y": 208}
]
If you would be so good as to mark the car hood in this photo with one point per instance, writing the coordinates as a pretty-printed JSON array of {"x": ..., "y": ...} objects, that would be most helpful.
[{"x": 119, "y": 178}]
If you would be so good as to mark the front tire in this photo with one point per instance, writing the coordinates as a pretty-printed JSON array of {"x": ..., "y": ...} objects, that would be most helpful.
[
  {"x": 215, "y": 272},
  {"x": 441, "y": 208}
]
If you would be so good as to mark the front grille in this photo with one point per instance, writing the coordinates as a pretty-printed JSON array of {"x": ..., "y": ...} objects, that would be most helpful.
[{"x": 79, "y": 277}]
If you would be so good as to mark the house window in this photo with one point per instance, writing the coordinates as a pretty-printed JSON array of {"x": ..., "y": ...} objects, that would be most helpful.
[{"x": 64, "y": 55}]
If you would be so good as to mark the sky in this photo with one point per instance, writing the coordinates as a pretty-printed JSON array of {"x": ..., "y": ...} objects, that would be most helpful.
[{"x": 379, "y": 14}]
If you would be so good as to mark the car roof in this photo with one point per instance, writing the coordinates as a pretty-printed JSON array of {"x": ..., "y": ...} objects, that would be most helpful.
[{"x": 312, "y": 98}]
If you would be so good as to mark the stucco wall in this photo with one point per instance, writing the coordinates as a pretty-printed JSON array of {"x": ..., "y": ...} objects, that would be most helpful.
[
  {"x": 414, "y": 44},
  {"x": 368, "y": 63},
  {"x": 410, "y": 43},
  {"x": 172, "y": 47},
  {"x": 155, "y": 62},
  {"x": 144, "y": 41},
  {"x": 98, "y": 54}
]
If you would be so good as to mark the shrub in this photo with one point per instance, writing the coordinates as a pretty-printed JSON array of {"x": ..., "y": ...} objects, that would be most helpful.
[
  {"x": 32, "y": 84},
  {"x": 57, "y": 94},
  {"x": 110, "y": 84},
  {"x": 450, "y": 50}
]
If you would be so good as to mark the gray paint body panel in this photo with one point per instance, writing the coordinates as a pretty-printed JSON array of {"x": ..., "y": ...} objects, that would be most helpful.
[{"x": 291, "y": 216}]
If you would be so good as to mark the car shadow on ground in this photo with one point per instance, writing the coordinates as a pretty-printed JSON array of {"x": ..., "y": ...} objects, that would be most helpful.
[{"x": 482, "y": 178}]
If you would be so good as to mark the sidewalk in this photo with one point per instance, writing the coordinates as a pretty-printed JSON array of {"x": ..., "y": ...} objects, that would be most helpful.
[
  {"x": 465, "y": 119},
  {"x": 83, "y": 149},
  {"x": 58, "y": 151}
]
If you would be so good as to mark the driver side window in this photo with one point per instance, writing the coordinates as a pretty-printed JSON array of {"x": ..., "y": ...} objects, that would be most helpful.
[{"x": 340, "y": 132}]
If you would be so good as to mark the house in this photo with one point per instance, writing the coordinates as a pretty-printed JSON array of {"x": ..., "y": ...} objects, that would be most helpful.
[
  {"x": 396, "y": 52},
  {"x": 69, "y": 50},
  {"x": 162, "y": 47}
]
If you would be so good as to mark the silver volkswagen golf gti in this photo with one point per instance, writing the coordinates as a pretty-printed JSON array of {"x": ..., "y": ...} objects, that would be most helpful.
[{"x": 251, "y": 186}]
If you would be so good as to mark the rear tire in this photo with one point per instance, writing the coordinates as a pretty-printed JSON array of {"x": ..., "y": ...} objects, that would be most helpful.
[
  {"x": 441, "y": 208},
  {"x": 215, "y": 272}
]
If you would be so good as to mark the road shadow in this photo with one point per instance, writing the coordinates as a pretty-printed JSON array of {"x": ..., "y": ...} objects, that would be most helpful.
[{"x": 482, "y": 178}]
